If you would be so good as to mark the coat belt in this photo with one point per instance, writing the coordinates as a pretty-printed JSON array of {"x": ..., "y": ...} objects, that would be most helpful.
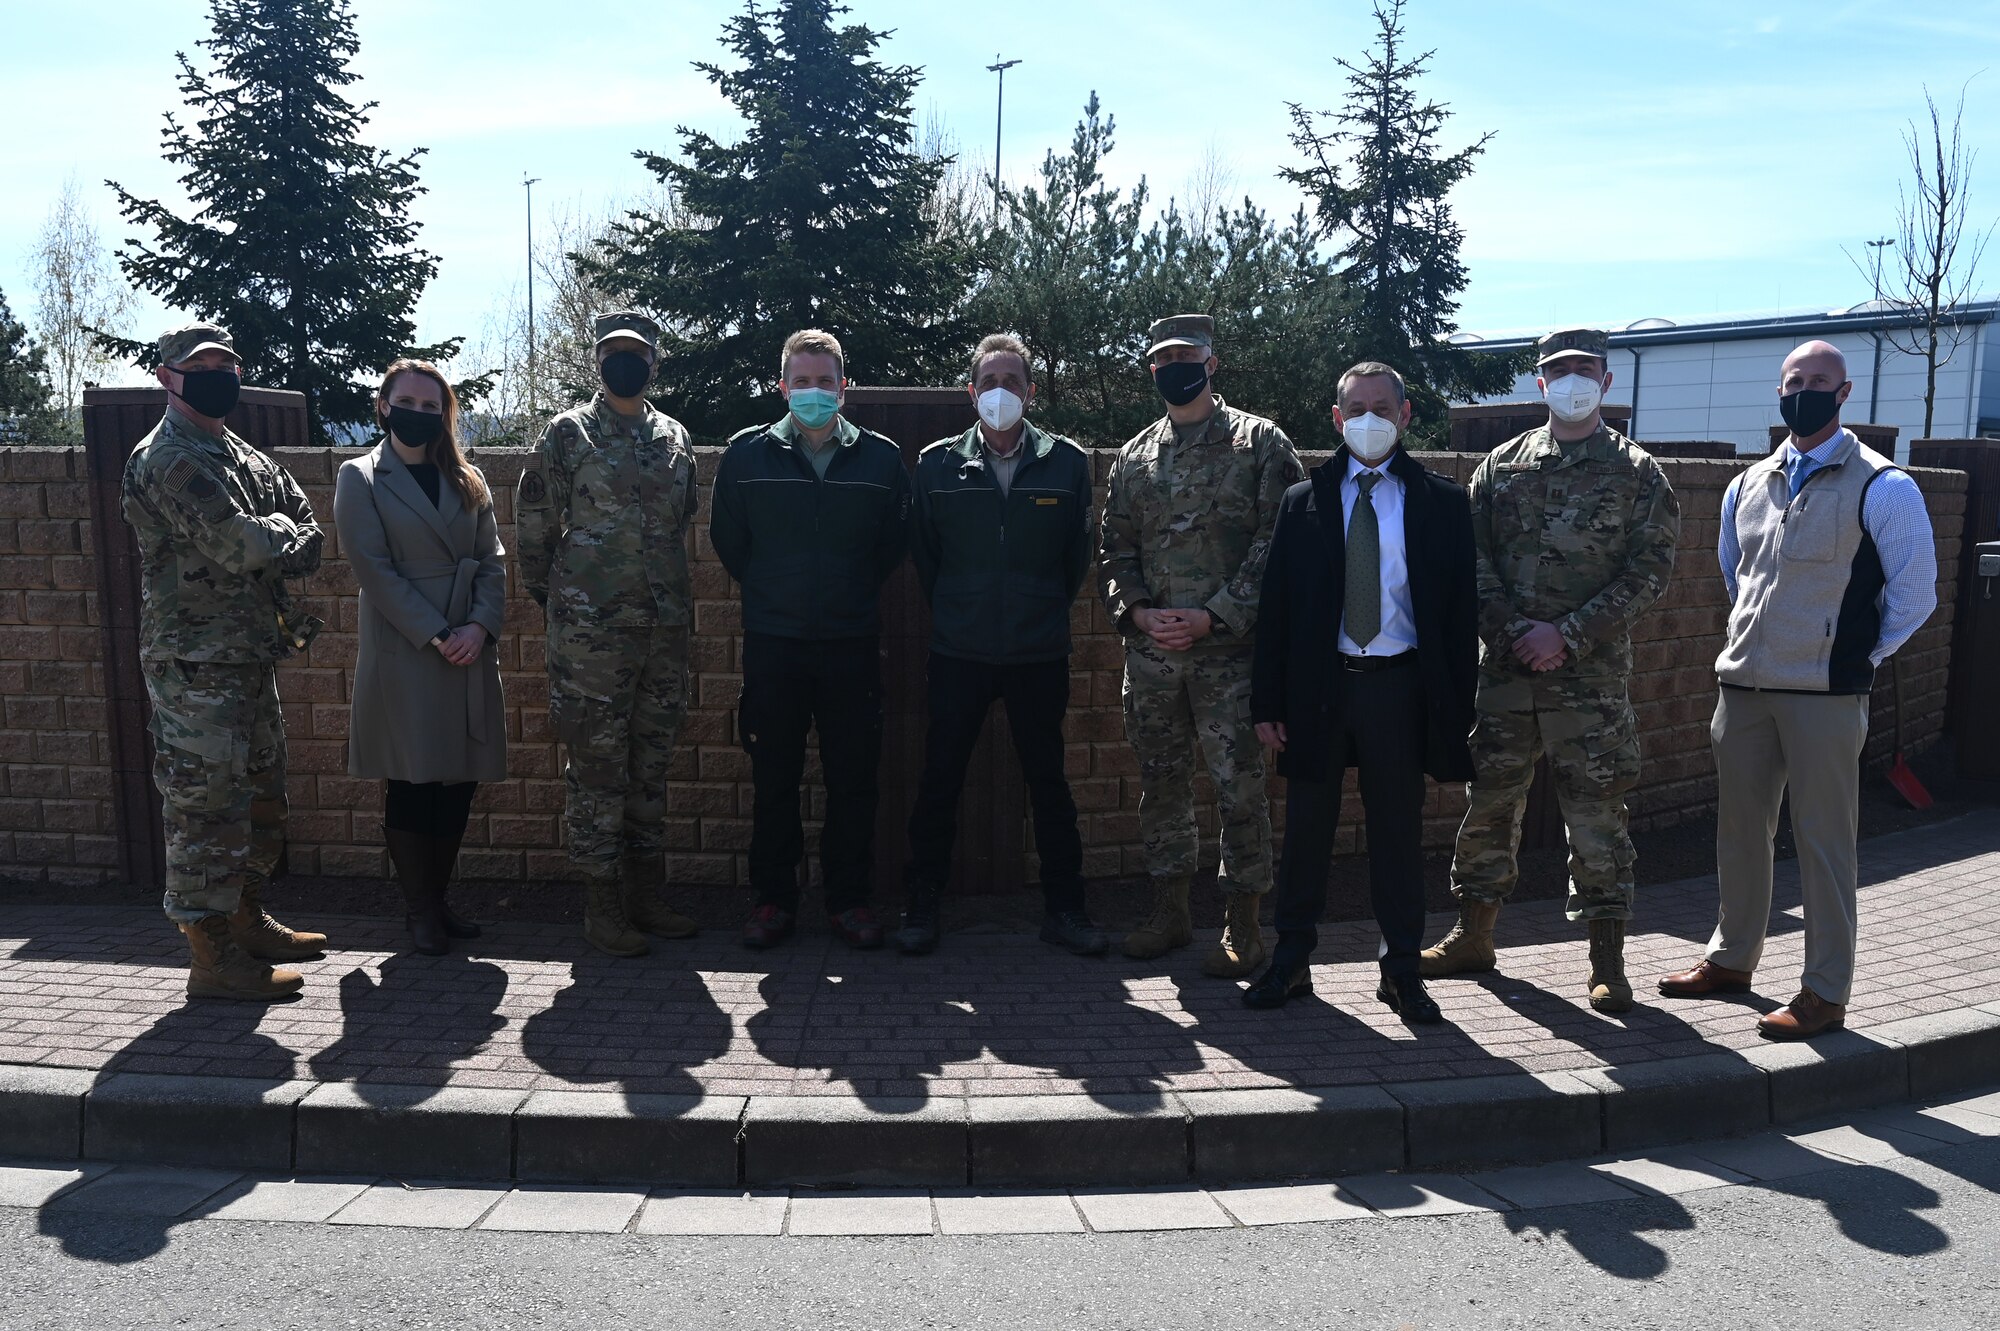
[{"x": 457, "y": 606}]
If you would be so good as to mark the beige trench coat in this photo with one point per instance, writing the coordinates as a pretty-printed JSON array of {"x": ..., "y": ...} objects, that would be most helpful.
[{"x": 423, "y": 569}]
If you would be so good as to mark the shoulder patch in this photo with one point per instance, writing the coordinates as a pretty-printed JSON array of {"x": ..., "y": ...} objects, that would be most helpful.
[
  {"x": 534, "y": 490},
  {"x": 181, "y": 474},
  {"x": 567, "y": 430}
]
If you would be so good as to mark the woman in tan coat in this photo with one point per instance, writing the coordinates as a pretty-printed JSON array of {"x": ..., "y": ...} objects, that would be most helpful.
[{"x": 416, "y": 526}]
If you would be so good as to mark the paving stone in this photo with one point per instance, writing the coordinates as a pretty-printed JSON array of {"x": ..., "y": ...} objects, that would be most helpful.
[
  {"x": 1116, "y": 1212},
  {"x": 1952, "y": 1051},
  {"x": 966, "y": 1212},
  {"x": 41, "y": 1111},
  {"x": 1680, "y": 1099},
  {"x": 1767, "y": 1157},
  {"x": 1944, "y": 1127},
  {"x": 1513, "y": 1117},
  {"x": 36, "y": 1185},
  {"x": 407, "y": 1131},
  {"x": 304, "y": 1200},
  {"x": 240, "y": 1122},
  {"x": 554, "y": 1209},
  {"x": 1057, "y": 1140},
  {"x": 154, "y": 1190},
  {"x": 609, "y": 1137},
  {"x": 422, "y": 1204},
  {"x": 1534, "y": 1186},
  {"x": 1987, "y": 1103},
  {"x": 714, "y": 1213},
  {"x": 1289, "y": 1204},
  {"x": 1669, "y": 1173},
  {"x": 1864, "y": 1143},
  {"x": 902, "y": 1141},
  {"x": 1423, "y": 1194},
  {"x": 1831, "y": 1074},
  {"x": 1293, "y": 1133},
  {"x": 851, "y": 1213}
]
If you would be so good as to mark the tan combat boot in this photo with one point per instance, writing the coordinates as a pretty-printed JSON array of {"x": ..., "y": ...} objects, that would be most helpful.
[
  {"x": 222, "y": 969},
  {"x": 605, "y": 924},
  {"x": 1241, "y": 949},
  {"x": 1469, "y": 945},
  {"x": 1168, "y": 927},
  {"x": 643, "y": 876},
  {"x": 264, "y": 938},
  {"x": 1609, "y": 990}
]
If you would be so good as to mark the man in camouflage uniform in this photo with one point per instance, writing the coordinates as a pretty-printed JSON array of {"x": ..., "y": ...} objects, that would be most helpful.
[
  {"x": 1187, "y": 524},
  {"x": 1574, "y": 527},
  {"x": 601, "y": 517},
  {"x": 220, "y": 527}
]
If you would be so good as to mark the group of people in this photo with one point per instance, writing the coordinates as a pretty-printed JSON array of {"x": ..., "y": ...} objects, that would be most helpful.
[{"x": 1372, "y": 616}]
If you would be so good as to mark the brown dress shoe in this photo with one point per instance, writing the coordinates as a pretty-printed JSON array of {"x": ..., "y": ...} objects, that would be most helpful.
[
  {"x": 1806, "y": 1016},
  {"x": 1703, "y": 979}
]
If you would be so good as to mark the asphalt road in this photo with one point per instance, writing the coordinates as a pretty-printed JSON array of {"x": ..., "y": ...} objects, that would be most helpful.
[{"x": 1915, "y": 1243}]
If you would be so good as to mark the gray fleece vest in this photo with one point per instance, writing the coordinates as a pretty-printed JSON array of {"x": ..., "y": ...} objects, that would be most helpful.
[{"x": 1809, "y": 583}]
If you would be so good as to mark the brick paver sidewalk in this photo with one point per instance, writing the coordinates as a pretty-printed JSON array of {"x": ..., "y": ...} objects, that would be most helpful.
[{"x": 990, "y": 1014}]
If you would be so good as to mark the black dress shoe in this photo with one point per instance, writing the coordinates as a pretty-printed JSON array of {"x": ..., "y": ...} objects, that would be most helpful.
[
  {"x": 1406, "y": 996},
  {"x": 919, "y": 934},
  {"x": 1275, "y": 988},
  {"x": 1072, "y": 931}
]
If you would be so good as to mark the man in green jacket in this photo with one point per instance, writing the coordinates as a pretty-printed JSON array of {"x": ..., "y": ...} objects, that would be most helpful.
[{"x": 1002, "y": 538}]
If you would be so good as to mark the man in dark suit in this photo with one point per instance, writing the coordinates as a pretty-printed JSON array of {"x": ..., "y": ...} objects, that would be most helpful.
[{"x": 1367, "y": 658}]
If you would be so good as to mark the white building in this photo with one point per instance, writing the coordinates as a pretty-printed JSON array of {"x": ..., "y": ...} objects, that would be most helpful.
[{"x": 1720, "y": 380}]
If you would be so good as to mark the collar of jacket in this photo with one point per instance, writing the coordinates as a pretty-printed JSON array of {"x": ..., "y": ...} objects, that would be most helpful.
[
  {"x": 187, "y": 429},
  {"x": 1036, "y": 443},
  {"x": 785, "y": 431},
  {"x": 1600, "y": 444},
  {"x": 616, "y": 422},
  {"x": 1221, "y": 425},
  {"x": 1333, "y": 471}
]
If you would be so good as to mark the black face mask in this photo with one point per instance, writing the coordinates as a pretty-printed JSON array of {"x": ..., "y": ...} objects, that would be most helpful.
[
  {"x": 209, "y": 392},
  {"x": 418, "y": 429},
  {"x": 1809, "y": 410},
  {"x": 1181, "y": 381},
  {"x": 625, "y": 373}
]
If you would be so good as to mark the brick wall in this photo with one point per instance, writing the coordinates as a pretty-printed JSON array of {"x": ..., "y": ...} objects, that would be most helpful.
[
  {"x": 55, "y": 812},
  {"x": 55, "y": 776}
]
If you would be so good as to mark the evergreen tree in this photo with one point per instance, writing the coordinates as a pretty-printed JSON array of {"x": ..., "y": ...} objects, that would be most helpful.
[
  {"x": 24, "y": 382},
  {"x": 301, "y": 242},
  {"x": 816, "y": 217},
  {"x": 1398, "y": 239}
]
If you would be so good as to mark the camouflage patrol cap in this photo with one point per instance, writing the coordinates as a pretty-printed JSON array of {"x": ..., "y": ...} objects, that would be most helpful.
[
  {"x": 180, "y": 345},
  {"x": 1572, "y": 342},
  {"x": 1181, "y": 330},
  {"x": 627, "y": 323}
]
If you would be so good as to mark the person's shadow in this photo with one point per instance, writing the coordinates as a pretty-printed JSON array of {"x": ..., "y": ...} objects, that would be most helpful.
[
  {"x": 411, "y": 1026},
  {"x": 645, "y": 1028}
]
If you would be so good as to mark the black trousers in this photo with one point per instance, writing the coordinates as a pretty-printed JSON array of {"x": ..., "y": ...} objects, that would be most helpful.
[
  {"x": 428, "y": 808},
  {"x": 1380, "y": 731},
  {"x": 1036, "y": 696},
  {"x": 791, "y": 687}
]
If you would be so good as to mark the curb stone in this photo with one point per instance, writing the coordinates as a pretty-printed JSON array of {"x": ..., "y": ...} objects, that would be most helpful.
[{"x": 592, "y": 1136}]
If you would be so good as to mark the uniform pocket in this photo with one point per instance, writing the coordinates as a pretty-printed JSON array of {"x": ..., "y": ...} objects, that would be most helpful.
[{"x": 1812, "y": 528}]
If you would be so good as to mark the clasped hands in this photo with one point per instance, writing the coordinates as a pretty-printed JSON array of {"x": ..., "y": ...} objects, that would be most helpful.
[
  {"x": 1541, "y": 647},
  {"x": 462, "y": 645},
  {"x": 1174, "y": 630}
]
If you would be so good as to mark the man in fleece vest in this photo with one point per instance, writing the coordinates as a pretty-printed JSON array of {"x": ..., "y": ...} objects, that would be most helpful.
[{"x": 1827, "y": 553}]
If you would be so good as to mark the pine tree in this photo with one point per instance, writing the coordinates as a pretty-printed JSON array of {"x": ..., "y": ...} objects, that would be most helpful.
[
  {"x": 815, "y": 217},
  {"x": 301, "y": 242},
  {"x": 1398, "y": 239},
  {"x": 24, "y": 382}
]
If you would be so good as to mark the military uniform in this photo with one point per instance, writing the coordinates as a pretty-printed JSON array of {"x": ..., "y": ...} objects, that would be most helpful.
[
  {"x": 1187, "y": 524},
  {"x": 220, "y": 526},
  {"x": 602, "y": 516},
  {"x": 1581, "y": 535}
]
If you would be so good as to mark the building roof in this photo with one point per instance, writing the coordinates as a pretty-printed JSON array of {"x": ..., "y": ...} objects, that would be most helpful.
[{"x": 1641, "y": 333}]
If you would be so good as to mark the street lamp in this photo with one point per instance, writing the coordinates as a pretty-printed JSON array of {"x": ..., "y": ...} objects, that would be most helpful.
[
  {"x": 529, "y": 185},
  {"x": 999, "y": 67}
]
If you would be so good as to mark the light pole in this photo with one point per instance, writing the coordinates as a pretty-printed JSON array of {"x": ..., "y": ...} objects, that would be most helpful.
[
  {"x": 1875, "y": 374},
  {"x": 529, "y": 185},
  {"x": 999, "y": 67}
]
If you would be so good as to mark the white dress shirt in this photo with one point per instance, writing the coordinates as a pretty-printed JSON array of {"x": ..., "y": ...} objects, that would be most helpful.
[{"x": 1399, "y": 621}]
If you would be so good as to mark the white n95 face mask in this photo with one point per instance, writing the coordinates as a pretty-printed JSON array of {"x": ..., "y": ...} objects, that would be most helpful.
[
  {"x": 1369, "y": 437},
  {"x": 1000, "y": 409},
  {"x": 1574, "y": 397}
]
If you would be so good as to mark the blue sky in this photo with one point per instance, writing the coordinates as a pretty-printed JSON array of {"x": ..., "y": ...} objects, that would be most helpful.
[{"x": 1682, "y": 159}]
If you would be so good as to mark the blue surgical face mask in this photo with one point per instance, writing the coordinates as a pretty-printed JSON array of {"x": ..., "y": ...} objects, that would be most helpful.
[{"x": 814, "y": 407}]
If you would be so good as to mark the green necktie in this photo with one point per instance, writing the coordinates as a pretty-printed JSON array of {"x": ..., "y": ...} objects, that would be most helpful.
[{"x": 1364, "y": 565}]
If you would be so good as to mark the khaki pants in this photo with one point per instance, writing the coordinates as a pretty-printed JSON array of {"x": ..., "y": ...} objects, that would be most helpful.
[{"x": 1764, "y": 742}]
